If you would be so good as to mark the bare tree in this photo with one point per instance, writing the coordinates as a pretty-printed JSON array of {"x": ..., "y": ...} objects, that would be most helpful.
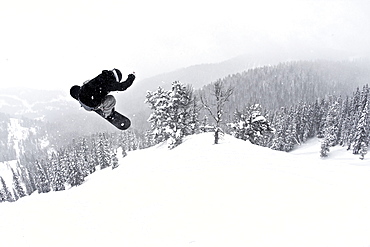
[{"x": 215, "y": 109}]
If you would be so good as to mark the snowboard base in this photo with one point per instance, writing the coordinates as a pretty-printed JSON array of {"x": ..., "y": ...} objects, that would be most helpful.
[{"x": 117, "y": 119}]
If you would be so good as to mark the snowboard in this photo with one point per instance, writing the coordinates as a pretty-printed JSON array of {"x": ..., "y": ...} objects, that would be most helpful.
[{"x": 117, "y": 119}]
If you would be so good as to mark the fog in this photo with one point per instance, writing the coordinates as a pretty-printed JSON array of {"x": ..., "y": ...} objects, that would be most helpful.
[{"x": 55, "y": 45}]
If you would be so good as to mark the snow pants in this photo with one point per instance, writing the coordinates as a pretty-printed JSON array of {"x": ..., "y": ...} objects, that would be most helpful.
[{"x": 107, "y": 105}]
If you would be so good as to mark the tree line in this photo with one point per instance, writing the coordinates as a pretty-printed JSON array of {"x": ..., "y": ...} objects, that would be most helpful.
[
  {"x": 66, "y": 167},
  {"x": 336, "y": 120}
]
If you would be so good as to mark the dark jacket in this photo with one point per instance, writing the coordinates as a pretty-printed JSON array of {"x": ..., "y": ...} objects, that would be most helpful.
[{"x": 94, "y": 91}]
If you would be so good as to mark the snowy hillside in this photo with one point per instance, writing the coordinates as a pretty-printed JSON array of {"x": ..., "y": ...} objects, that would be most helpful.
[
  {"x": 200, "y": 194},
  {"x": 33, "y": 103}
]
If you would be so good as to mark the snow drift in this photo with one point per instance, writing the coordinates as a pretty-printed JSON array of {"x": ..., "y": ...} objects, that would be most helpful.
[{"x": 200, "y": 194}]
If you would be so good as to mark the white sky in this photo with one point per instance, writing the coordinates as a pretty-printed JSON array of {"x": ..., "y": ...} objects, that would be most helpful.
[{"x": 55, "y": 44}]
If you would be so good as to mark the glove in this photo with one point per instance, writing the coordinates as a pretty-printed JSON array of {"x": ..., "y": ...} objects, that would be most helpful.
[{"x": 131, "y": 77}]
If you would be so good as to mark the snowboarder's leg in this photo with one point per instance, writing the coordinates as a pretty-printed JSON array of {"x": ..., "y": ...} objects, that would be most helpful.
[{"x": 107, "y": 106}]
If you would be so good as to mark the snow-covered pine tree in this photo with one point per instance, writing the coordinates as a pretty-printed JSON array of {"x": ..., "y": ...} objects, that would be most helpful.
[
  {"x": 194, "y": 116},
  {"x": 362, "y": 132},
  {"x": 58, "y": 179},
  {"x": 75, "y": 175},
  {"x": 5, "y": 194},
  {"x": 171, "y": 116},
  {"x": 42, "y": 179},
  {"x": 64, "y": 161},
  {"x": 331, "y": 126},
  {"x": 306, "y": 129},
  {"x": 131, "y": 140},
  {"x": 324, "y": 148},
  {"x": 17, "y": 185},
  {"x": 15, "y": 195},
  {"x": 28, "y": 173},
  {"x": 114, "y": 159},
  {"x": 159, "y": 104},
  {"x": 23, "y": 176},
  {"x": 179, "y": 111},
  {"x": 93, "y": 154},
  {"x": 124, "y": 153},
  {"x": 320, "y": 109},
  {"x": 250, "y": 125},
  {"x": 355, "y": 113},
  {"x": 148, "y": 140},
  {"x": 31, "y": 182},
  {"x": 363, "y": 150},
  {"x": 279, "y": 124},
  {"x": 291, "y": 131},
  {"x": 83, "y": 153},
  {"x": 103, "y": 154},
  {"x": 2, "y": 194},
  {"x": 345, "y": 123},
  {"x": 239, "y": 126}
]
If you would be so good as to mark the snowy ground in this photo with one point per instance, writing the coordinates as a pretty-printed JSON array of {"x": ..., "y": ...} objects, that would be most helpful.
[{"x": 199, "y": 194}]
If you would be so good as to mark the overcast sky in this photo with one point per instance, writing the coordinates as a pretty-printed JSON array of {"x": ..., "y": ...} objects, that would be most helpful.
[{"x": 55, "y": 44}]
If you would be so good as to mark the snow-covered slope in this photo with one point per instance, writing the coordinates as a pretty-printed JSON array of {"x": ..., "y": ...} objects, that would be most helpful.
[{"x": 199, "y": 194}]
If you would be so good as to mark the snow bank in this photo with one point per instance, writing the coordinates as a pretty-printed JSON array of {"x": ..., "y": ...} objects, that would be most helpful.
[{"x": 200, "y": 194}]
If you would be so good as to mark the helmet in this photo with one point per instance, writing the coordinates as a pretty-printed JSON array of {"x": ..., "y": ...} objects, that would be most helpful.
[
  {"x": 117, "y": 74},
  {"x": 75, "y": 91}
]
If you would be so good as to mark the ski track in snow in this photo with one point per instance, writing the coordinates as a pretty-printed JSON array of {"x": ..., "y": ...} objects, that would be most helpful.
[{"x": 200, "y": 194}]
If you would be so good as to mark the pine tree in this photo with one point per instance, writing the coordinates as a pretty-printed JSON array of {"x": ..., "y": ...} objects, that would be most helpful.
[
  {"x": 345, "y": 123},
  {"x": 103, "y": 151},
  {"x": 16, "y": 197},
  {"x": 354, "y": 116},
  {"x": 194, "y": 116},
  {"x": 75, "y": 177},
  {"x": 42, "y": 179},
  {"x": 2, "y": 192},
  {"x": 5, "y": 194},
  {"x": 31, "y": 182},
  {"x": 290, "y": 133},
  {"x": 362, "y": 132},
  {"x": 179, "y": 112},
  {"x": 363, "y": 150},
  {"x": 251, "y": 125},
  {"x": 321, "y": 110},
  {"x": 19, "y": 191},
  {"x": 331, "y": 125},
  {"x": 114, "y": 160},
  {"x": 83, "y": 153},
  {"x": 172, "y": 115},
  {"x": 278, "y": 141},
  {"x": 27, "y": 168},
  {"x": 159, "y": 104},
  {"x": 58, "y": 173},
  {"x": 93, "y": 157},
  {"x": 324, "y": 149}
]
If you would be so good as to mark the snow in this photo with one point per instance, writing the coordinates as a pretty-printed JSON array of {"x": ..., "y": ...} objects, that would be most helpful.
[
  {"x": 259, "y": 118},
  {"x": 6, "y": 172},
  {"x": 17, "y": 133},
  {"x": 200, "y": 194}
]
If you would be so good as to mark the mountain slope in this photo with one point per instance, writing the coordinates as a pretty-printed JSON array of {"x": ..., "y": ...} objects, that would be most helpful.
[
  {"x": 273, "y": 87},
  {"x": 199, "y": 194}
]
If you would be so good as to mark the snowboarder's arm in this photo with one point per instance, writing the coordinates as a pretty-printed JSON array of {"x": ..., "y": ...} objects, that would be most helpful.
[
  {"x": 121, "y": 86},
  {"x": 126, "y": 84}
]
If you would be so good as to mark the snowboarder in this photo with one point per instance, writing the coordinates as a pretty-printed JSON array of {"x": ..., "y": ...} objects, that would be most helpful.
[{"x": 93, "y": 95}]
